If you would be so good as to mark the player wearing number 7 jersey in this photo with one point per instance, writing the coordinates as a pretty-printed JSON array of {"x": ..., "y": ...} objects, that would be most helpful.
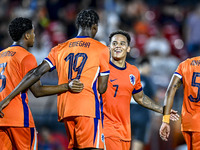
[
  {"x": 124, "y": 82},
  {"x": 188, "y": 74},
  {"x": 85, "y": 59}
]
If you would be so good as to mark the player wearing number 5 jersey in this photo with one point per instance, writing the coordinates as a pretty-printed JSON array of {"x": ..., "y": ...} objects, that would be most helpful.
[
  {"x": 124, "y": 82},
  {"x": 188, "y": 74},
  {"x": 85, "y": 59}
]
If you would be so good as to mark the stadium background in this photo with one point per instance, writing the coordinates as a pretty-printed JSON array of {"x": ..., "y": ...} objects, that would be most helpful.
[{"x": 160, "y": 29}]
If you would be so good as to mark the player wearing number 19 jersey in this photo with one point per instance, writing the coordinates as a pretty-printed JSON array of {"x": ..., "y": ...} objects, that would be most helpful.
[
  {"x": 85, "y": 59},
  {"x": 77, "y": 57},
  {"x": 188, "y": 74}
]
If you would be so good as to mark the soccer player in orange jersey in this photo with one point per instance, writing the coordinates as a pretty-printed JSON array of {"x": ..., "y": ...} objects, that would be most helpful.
[
  {"x": 17, "y": 128},
  {"x": 124, "y": 82},
  {"x": 80, "y": 58},
  {"x": 188, "y": 75}
]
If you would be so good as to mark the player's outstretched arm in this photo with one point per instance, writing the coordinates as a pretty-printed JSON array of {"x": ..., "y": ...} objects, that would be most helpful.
[
  {"x": 74, "y": 86},
  {"x": 29, "y": 79},
  {"x": 148, "y": 103},
  {"x": 169, "y": 99}
]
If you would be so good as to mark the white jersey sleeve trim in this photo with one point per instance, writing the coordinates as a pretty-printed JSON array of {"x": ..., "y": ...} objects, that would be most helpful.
[
  {"x": 105, "y": 73},
  {"x": 178, "y": 75}
]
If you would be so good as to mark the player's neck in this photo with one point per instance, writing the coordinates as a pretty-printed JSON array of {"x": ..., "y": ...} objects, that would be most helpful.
[
  {"x": 22, "y": 44},
  {"x": 85, "y": 32},
  {"x": 119, "y": 63}
]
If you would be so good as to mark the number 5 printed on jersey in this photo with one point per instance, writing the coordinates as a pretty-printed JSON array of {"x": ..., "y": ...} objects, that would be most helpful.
[
  {"x": 73, "y": 60},
  {"x": 3, "y": 77},
  {"x": 195, "y": 84}
]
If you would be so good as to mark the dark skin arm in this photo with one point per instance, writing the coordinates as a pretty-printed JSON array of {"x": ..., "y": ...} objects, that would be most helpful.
[
  {"x": 171, "y": 91},
  {"x": 169, "y": 100},
  {"x": 102, "y": 83},
  {"x": 148, "y": 103},
  {"x": 32, "y": 77}
]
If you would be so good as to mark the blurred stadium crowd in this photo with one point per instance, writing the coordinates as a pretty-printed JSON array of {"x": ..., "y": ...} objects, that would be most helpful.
[{"x": 167, "y": 31}]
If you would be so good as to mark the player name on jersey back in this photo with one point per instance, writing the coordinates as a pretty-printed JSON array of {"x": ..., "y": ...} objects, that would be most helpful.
[
  {"x": 195, "y": 63},
  {"x": 80, "y": 44},
  {"x": 7, "y": 53}
]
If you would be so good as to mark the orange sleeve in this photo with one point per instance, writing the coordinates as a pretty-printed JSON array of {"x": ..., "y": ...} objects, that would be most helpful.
[
  {"x": 51, "y": 58},
  {"x": 104, "y": 62},
  {"x": 178, "y": 71},
  {"x": 28, "y": 63}
]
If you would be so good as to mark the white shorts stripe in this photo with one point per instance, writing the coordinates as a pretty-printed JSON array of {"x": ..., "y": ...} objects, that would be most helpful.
[
  {"x": 35, "y": 143},
  {"x": 97, "y": 146}
]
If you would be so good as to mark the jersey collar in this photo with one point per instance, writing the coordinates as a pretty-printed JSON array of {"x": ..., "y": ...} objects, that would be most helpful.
[
  {"x": 82, "y": 36},
  {"x": 120, "y": 68},
  {"x": 15, "y": 45}
]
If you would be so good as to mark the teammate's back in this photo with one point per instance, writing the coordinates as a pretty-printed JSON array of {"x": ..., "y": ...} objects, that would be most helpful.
[
  {"x": 83, "y": 58},
  {"x": 189, "y": 73},
  {"x": 15, "y": 62}
]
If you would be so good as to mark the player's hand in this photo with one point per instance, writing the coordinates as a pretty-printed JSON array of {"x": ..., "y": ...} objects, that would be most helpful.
[
  {"x": 4, "y": 103},
  {"x": 75, "y": 86},
  {"x": 174, "y": 115},
  {"x": 164, "y": 131}
]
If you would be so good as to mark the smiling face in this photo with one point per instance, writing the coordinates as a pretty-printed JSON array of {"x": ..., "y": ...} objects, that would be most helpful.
[{"x": 119, "y": 47}]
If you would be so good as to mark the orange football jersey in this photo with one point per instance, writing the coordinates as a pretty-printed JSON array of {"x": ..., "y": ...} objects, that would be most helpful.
[
  {"x": 15, "y": 62},
  {"x": 189, "y": 72},
  {"x": 123, "y": 82},
  {"x": 79, "y": 58}
]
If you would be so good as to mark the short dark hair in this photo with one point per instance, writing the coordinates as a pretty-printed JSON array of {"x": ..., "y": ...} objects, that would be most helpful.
[
  {"x": 122, "y": 33},
  {"x": 18, "y": 27},
  {"x": 87, "y": 18}
]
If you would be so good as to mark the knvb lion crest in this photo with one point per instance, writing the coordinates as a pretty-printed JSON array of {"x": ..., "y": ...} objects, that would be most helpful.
[{"x": 132, "y": 79}]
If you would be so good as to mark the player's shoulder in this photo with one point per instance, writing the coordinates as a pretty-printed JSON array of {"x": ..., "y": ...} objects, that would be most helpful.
[
  {"x": 193, "y": 60},
  {"x": 60, "y": 46},
  {"x": 131, "y": 67},
  {"x": 16, "y": 51},
  {"x": 98, "y": 44}
]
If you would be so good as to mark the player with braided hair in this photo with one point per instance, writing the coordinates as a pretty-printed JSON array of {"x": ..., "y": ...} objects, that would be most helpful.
[
  {"x": 17, "y": 128},
  {"x": 80, "y": 59},
  {"x": 86, "y": 19}
]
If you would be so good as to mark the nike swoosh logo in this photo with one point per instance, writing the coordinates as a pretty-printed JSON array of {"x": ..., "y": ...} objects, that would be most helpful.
[{"x": 112, "y": 80}]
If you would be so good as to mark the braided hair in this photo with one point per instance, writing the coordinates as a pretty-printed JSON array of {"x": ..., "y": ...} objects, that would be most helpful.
[
  {"x": 18, "y": 27},
  {"x": 124, "y": 33},
  {"x": 87, "y": 18}
]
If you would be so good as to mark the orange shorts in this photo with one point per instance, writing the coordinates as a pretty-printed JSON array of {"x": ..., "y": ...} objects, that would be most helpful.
[
  {"x": 113, "y": 143},
  {"x": 18, "y": 138},
  {"x": 84, "y": 132},
  {"x": 192, "y": 140}
]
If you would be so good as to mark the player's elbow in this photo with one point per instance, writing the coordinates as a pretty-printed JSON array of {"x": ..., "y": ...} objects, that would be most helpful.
[{"x": 37, "y": 92}]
